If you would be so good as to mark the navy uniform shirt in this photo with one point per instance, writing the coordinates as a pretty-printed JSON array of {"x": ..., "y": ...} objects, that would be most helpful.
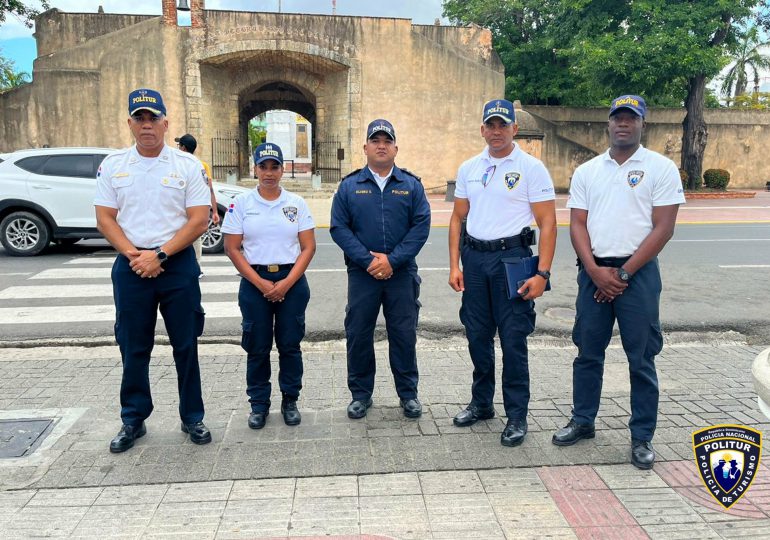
[{"x": 394, "y": 221}]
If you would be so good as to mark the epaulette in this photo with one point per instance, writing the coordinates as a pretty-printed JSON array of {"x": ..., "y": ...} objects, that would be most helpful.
[
  {"x": 351, "y": 174},
  {"x": 410, "y": 173}
]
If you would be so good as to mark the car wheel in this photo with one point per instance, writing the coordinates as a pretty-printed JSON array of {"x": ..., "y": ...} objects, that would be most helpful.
[
  {"x": 24, "y": 234},
  {"x": 213, "y": 241}
]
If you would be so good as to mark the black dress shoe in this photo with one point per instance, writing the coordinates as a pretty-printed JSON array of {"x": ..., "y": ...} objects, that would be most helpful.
[
  {"x": 572, "y": 433},
  {"x": 642, "y": 454},
  {"x": 358, "y": 407},
  {"x": 291, "y": 416},
  {"x": 126, "y": 437},
  {"x": 473, "y": 414},
  {"x": 199, "y": 433},
  {"x": 514, "y": 432},
  {"x": 412, "y": 407},
  {"x": 257, "y": 419}
]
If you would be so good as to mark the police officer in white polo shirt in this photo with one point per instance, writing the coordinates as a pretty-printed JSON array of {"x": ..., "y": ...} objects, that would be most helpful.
[
  {"x": 151, "y": 204},
  {"x": 276, "y": 231},
  {"x": 500, "y": 192},
  {"x": 623, "y": 204}
]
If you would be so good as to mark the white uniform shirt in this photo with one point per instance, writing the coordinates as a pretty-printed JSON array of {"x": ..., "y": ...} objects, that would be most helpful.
[
  {"x": 619, "y": 198},
  {"x": 381, "y": 180},
  {"x": 152, "y": 195},
  {"x": 269, "y": 228},
  {"x": 502, "y": 208}
]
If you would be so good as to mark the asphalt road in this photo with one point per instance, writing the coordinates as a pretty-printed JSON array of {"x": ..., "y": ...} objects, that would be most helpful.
[{"x": 715, "y": 279}]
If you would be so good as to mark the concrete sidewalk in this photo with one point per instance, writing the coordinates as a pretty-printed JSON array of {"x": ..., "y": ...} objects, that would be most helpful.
[{"x": 384, "y": 476}]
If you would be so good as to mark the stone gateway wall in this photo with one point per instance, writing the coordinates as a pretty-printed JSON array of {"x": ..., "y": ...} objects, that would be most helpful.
[
  {"x": 339, "y": 72},
  {"x": 737, "y": 140}
]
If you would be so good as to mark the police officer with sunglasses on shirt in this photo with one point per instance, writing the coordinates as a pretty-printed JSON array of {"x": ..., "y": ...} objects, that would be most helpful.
[{"x": 500, "y": 192}]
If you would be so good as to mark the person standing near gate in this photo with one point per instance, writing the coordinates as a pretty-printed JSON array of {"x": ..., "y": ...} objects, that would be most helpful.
[
  {"x": 151, "y": 204},
  {"x": 381, "y": 219},
  {"x": 276, "y": 231},
  {"x": 500, "y": 192},
  {"x": 623, "y": 204},
  {"x": 187, "y": 143}
]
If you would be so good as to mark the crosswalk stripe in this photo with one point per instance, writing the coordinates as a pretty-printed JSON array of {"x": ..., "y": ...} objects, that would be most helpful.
[
  {"x": 20, "y": 292},
  {"x": 104, "y": 273},
  {"x": 100, "y": 313},
  {"x": 111, "y": 259}
]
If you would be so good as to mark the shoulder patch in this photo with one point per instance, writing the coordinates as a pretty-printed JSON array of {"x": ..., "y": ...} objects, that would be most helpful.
[
  {"x": 410, "y": 173},
  {"x": 353, "y": 173}
]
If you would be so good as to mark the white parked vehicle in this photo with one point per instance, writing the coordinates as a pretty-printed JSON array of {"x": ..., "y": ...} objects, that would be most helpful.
[{"x": 47, "y": 195}]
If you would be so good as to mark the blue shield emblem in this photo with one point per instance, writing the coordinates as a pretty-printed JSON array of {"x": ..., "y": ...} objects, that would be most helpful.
[
  {"x": 635, "y": 178},
  {"x": 512, "y": 179},
  {"x": 727, "y": 457},
  {"x": 290, "y": 212}
]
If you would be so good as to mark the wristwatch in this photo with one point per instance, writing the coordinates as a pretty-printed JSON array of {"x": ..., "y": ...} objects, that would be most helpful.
[
  {"x": 623, "y": 275},
  {"x": 162, "y": 256},
  {"x": 545, "y": 274}
]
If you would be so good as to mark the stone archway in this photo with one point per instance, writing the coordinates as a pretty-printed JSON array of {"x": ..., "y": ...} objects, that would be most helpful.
[{"x": 229, "y": 84}]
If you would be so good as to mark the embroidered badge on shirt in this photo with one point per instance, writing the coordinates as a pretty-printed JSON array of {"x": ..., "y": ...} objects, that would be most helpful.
[
  {"x": 635, "y": 178},
  {"x": 512, "y": 179},
  {"x": 290, "y": 212}
]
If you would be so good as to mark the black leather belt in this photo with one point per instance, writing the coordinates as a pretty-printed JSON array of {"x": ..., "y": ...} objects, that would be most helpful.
[
  {"x": 614, "y": 262},
  {"x": 525, "y": 239},
  {"x": 272, "y": 268}
]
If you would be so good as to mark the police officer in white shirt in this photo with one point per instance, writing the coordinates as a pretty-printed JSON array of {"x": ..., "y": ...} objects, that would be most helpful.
[
  {"x": 276, "y": 231},
  {"x": 623, "y": 204},
  {"x": 500, "y": 191},
  {"x": 151, "y": 205}
]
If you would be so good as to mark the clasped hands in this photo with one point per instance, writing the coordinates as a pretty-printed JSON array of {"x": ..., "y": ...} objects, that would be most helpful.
[
  {"x": 380, "y": 267},
  {"x": 144, "y": 263},
  {"x": 273, "y": 291},
  {"x": 609, "y": 286}
]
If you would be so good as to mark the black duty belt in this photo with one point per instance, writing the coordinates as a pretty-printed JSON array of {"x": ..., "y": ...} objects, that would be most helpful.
[
  {"x": 524, "y": 239},
  {"x": 272, "y": 268},
  {"x": 614, "y": 262}
]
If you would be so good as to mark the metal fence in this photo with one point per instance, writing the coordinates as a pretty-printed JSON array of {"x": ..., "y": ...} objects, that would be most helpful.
[
  {"x": 328, "y": 156},
  {"x": 224, "y": 157}
]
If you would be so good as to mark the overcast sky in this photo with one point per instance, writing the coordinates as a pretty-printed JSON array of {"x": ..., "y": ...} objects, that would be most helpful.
[{"x": 16, "y": 40}]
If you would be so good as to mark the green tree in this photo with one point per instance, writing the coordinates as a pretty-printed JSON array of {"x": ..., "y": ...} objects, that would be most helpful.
[
  {"x": 665, "y": 50},
  {"x": 24, "y": 13},
  {"x": 748, "y": 61},
  {"x": 9, "y": 77}
]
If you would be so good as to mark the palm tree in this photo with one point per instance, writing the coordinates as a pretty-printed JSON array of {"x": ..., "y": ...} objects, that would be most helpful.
[
  {"x": 748, "y": 60},
  {"x": 11, "y": 79}
]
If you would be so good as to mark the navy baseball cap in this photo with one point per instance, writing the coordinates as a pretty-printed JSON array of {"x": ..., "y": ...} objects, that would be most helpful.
[
  {"x": 634, "y": 104},
  {"x": 500, "y": 108},
  {"x": 380, "y": 126},
  {"x": 147, "y": 100},
  {"x": 188, "y": 141},
  {"x": 267, "y": 151}
]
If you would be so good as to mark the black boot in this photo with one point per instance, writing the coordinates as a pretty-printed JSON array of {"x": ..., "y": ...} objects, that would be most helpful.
[{"x": 291, "y": 416}]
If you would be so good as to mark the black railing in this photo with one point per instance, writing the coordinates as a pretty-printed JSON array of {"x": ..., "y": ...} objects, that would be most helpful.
[
  {"x": 224, "y": 157},
  {"x": 328, "y": 156}
]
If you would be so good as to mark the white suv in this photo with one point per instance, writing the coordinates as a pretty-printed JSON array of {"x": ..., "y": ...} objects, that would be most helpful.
[{"x": 47, "y": 194}]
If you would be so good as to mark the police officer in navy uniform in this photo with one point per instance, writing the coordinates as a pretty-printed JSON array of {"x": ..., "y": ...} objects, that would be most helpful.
[
  {"x": 623, "y": 205},
  {"x": 151, "y": 204},
  {"x": 500, "y": 191},
  {"x": 381, "y": 219},
  {"x": 276, "y": 231}
]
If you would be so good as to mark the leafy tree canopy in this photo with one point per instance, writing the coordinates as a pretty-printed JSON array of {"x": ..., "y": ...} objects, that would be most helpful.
[{"x": 23, "y": 12}]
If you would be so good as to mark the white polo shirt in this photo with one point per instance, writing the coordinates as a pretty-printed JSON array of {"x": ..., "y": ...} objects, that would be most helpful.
[
  {"x": 270, "y": 229},
  {"x": 620, "y": 198},
  {"x": 502, "y": 208},
  {"x": 152, "y": 195}
]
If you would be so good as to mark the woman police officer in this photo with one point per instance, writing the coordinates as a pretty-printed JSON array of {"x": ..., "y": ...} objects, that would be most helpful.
[{"x": 276, "y": 231}]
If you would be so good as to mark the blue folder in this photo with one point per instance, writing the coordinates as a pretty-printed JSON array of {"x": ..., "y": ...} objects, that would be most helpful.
[{"x": 517, "y": 271}]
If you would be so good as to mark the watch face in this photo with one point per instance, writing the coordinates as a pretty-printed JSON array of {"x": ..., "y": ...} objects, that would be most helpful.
[{"x": 623, "y": 275}]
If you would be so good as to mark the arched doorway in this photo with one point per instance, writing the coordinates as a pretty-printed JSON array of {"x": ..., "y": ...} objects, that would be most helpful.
[{"x": 234, "y": 86}]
